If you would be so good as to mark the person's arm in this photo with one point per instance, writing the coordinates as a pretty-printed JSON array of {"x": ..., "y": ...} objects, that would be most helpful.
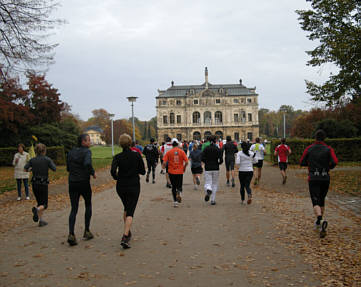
[
  {"x": 88, "y": 163},
  {"x": 264, "y": 150},
  {"x": 220, "y": 157},
  {"x": 276, "y": 151},
  {"x": 28, "y": 165},
  {"x": 114, "y": 167},
  {"x": 141, "y": 168},
  {"x": 289, "y": 151},
  {"x": 238, "y": 160},
  {"x": 304, "y": 157},
  {"x": 165, "y": 160},
  {"x": 51, "y": 165},
  {"x": 15, "y": 160},
  {"x": 333, "y": 158},
  {"x": 185, "y": 159}
]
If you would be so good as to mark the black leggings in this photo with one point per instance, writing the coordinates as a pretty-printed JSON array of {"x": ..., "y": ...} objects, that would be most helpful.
[
  {"x": 245, "y": 178},
  {"x": 77, "y": 189},
  {"x": 129, "y": 196},
  {"x": 177, "y": 181},
  {"x": 151, "y": 166},
  {"x": 318, "y": 191}
]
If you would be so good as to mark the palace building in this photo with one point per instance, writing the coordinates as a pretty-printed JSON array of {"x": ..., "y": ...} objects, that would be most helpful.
[{"x": 195, "y": 111}]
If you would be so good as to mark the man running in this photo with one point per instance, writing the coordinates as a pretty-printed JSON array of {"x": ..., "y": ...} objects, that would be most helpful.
[
  {"x": 151, "y": 154},
  {"x": 212, "y": 158},
  {"x": 165, "y": 148},
  {"x": 260, "y": 152},
  {"x": 282, "y": 151},
  {"x": 177, "y": 162},
  {"x": 229, "y": 149},
  {"x": 319, "y": 158}
]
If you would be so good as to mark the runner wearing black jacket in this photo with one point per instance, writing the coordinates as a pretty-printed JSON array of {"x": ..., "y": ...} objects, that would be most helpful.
[
  {"x": 319, "y": 158},
  {"x": 229, "y": 150},
  {"x": 151, "y": 154}
]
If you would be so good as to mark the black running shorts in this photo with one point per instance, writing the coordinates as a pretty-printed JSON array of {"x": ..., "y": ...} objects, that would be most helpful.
[
  {"x": 41, "y": 194},
  {"x": 318, "y": 191},
  {"x": 197, "y": 170},
  {"x": 259, "y": 164},
  {"x": 282, "y": 165},
  {"x": 229, "y": 163}
]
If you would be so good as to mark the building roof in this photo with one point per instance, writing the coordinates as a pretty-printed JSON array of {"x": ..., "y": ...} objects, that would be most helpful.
[{"x": 93, "y": 128}]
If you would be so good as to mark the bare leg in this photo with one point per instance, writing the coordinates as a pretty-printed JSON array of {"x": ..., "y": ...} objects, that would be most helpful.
[
  {"x": 317, "y": 210},
  {"x": 40, "y": 211},
  {"x": 259, "y": 173},
  {"x": 194, "y": 179},
  {"x": 227, "y": 175},
  {"x": 233, "y": 173},
  {"x": 167, "y": 177}
]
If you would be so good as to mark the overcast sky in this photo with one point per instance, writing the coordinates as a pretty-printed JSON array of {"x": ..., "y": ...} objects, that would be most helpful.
[{"x": 112, "y": 49}]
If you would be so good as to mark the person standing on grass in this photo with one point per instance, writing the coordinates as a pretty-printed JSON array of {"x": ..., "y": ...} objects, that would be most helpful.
[
  {"x": 196, "y": 165},
  {"x": 244, "y": 163},
  {"x": 282, "y": 152},
  {"x": 80, "y": 168},
  {"x": 212, "y": 158},
  {"x": 260, "y": 152},
  {"x": 19, "y": 161},
  {"x": 151, "y": 154},
  {"x": 229, "y": 150},
  {"x": 319, "y": 158},
  {"x": 126, "y": 168},
  {"x": 177, "y": 162},
  {"x": 40, "y": 166}
]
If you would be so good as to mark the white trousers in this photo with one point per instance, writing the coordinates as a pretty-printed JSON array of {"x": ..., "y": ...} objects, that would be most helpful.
[{"x": 211, "y": 182}]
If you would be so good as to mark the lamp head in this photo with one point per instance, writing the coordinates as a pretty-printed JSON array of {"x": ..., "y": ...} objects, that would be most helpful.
[{"x": 132, "y": 99}]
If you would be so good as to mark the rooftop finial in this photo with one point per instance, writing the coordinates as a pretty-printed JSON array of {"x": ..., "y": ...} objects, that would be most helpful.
[
  {"x": 206, "y": 75},
  {"x": 172, "y": 82},
  {"x": 240, "y": 81}
]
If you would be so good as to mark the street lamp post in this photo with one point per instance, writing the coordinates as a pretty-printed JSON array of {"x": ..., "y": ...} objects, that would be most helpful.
[
  {"x": 111, "y": 118},
  {"x": 132, "y": 100},
  {"x": 284, "y": 110}
]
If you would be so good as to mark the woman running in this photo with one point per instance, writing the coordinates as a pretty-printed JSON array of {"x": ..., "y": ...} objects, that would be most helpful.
[
  {"x": 196, "y": 166},
  {"x": 244, "y": 162},
  {"x": 126, "y": 167}
]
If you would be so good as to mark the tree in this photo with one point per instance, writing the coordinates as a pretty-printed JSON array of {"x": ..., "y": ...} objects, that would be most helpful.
[
  {"x": 336, "y": 25},
  {"x": 24, "y": 26}
]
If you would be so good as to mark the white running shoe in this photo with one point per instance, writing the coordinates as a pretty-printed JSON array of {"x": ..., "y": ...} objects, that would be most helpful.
[
  {"x": 27, "y": 198},
  {"x": 175, "y": 204},
  {"x": 18, "y": 199}
]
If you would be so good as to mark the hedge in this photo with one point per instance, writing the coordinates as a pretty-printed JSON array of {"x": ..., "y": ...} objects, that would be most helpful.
[
  {"x": 56, "y": 153},
  {"x": 346, "y": 149}
]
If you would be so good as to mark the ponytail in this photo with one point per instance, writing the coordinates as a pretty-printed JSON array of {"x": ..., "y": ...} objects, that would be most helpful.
[{"x": 245, "y": 148}]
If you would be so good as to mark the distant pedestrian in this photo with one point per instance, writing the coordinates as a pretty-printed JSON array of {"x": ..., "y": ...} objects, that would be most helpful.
[
  {"x": 126, "y": 168},
  {"x": 244, "y": 161},
  {"x": 151, "y": 155},
  {"x": 40, "y": 166},
  {"x": 212, "y": 158},
  {"x": 138, "y": 146},
  {"x": 185, "y": 147},
  {"x": 229, "y": 150},
  {"x": 19, "y": 161},
  {"x": 196, "y": 165},
  {"x": 260, "y": 151},
  {"x": 80, "y": 168},
  {"x": 165, "y": 148},
  {"x": 282, "y": 152},
  {"x": 177, "y": 162},
  {"x": 135, "y": 148},
  {"x": 319, "y": 158}
]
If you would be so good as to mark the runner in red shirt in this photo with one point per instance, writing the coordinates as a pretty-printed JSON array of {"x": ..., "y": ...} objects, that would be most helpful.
[{"x": 283, "y": 151}]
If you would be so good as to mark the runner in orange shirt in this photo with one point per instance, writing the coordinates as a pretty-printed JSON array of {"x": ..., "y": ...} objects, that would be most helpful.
[{"x": 177, "y": 162}]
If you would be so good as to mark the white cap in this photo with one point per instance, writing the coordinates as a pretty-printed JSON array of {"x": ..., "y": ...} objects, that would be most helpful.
[{"x": 175, "y": 140}]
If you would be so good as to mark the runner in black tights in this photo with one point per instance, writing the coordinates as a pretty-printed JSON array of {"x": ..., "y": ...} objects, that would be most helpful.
[{"x": 151, "y": 154}]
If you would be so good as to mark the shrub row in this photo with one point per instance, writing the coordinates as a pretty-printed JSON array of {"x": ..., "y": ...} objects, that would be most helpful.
[
  {"x": 346, "y": 149},
  {"x": 56, "y": 153}
]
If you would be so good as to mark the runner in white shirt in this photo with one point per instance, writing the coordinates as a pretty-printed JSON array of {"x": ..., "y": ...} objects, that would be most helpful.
[
  {"x": 260, "y": 151},
  {"x": 165, "y": 148}
]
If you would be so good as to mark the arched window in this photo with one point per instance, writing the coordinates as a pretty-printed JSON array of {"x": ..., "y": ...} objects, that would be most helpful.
[
  {"x": 165, "y": 137},
  {"x": 196, "y": 118},
  {"x": 171, "y": 118},
  {"x": 207, "y": 117},
  {"x": 197, "y": 136},
  {"x": 219, "y": 134},
  {"x": 218, "y": 117},
  {"x": 207, "y": 134}
]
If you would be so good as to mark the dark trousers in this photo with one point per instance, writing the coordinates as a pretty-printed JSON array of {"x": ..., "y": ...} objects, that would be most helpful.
[
  {"x": 129, "y": 196},
  {"x": 318, "y": 191},
  {"x": 151, "y": 167},
  {"x": 77, "y": 189},
  {"x": 26, "y": 186},
  {"x": 41, "y": 194},
  {"x": 177, "y": 181},
  {"x": 245, "y": 178}
]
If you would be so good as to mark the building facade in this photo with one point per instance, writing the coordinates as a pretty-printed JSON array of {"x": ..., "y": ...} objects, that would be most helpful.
[
  {"x": 196, "y": 111},
  {"x": 95, "y": 134}
]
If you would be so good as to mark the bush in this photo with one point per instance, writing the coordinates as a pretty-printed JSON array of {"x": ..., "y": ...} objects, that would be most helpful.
[
  {"x": 56, "y": 153},
  {"x": 346, "y": 149},
  {"x": 337, "y": 129}
]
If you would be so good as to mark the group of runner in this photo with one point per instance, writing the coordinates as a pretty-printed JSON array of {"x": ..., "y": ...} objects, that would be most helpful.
[{"x": 128, "y": 165}]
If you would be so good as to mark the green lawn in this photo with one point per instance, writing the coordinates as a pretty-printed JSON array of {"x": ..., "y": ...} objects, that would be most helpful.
[{"x": 104, "y": 151}]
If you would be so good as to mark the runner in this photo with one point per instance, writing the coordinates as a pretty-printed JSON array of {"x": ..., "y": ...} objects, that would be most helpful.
[
  {"x": 185, "y": 147},
  {"x": 79, "y": 166},
  {"x": 260, "y": 151},
  {"x": 319, "y": 158},
  {"x": 135, "y": 148},
  {"x": 151, "y": 154},
  {"x": 126, "y": 167},
  {"x": 212, "y": 158},
  {"x": 282, "y": 151},
  {"x": 229, "y": 150},
  {"x": 244, "y": 161},
  {"x": 206, "y": 143},
  {"x": 196, "y": 166},
  {"x": 161, "y": 157},
  {"x": 165, "y": 148},
  {"x": 40, "y": 166},
  {"x": 177, "y": 162}
]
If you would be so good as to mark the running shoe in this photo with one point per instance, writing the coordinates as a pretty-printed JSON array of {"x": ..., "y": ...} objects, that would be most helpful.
[
  {"x": 35, "y": 214},
  {"x": 125, "y": 242},
  {"x": 227, "y": 182},
  {"x": 178, "y": 197},
  {"x": 209, "y": 192},
  {"x": 153, "y": 181},
  {"x": 233, "y": 184},
  {"x": 213, "y": 203},
  {"x": 249, "y": 201},
  {"x": 27, "y": 198},
  {"x": 147, "y": 178},
  {"x": 198, "y": 181},
  {"x": 284, "y": 180},
  {"x": 323, "y": 231},
  {"x": 175, "y": 204},
  {"x": 242, "y": 202},
  {"x": 72, "y": 240},
  {"x": 195, "y": 187},
  {"x": 88, "y": 235},
  {"x": 168, "y": 185},
  {"x": 42, "y": 223},
  {"x": 18, "y": 199}
]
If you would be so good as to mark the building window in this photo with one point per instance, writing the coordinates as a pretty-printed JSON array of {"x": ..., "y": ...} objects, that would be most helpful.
[
  {"x": 249, "y": 117},
  {"x": 207, "y": 117},
  {"x": 219, "y": 135},
  {"x": 236, "y": 137},
  {"x": 196, "y": 118},
  {"x": 242, "y": 101},
  {"x": 192, "y": 91},
  {"x": 179, "y": 102},
  {"x": 197, "y": 136},
  {"x": 235, "y": 101},
  {"x": 164, "y": 103},
  {"x": 165, "y": 136},
  {"x": 249, "y": 136},
  {"x": 195, "y": 102},
  {"x": 243, "y": 116},
  {"x": 249, "y": 100},
  {"x": 165, "y": 120},
  {"x": 179, "y": 119},
  {"x": 221, "y": 90},
  {"x": 218, "y": 101},
  {"x": 235, "y": 117},
  {"x": 207, "y": 134},
  {"x": 171, "y": 118},
  {"x": 179, "y": 137},
  {"x": 218, "y": 117}
]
